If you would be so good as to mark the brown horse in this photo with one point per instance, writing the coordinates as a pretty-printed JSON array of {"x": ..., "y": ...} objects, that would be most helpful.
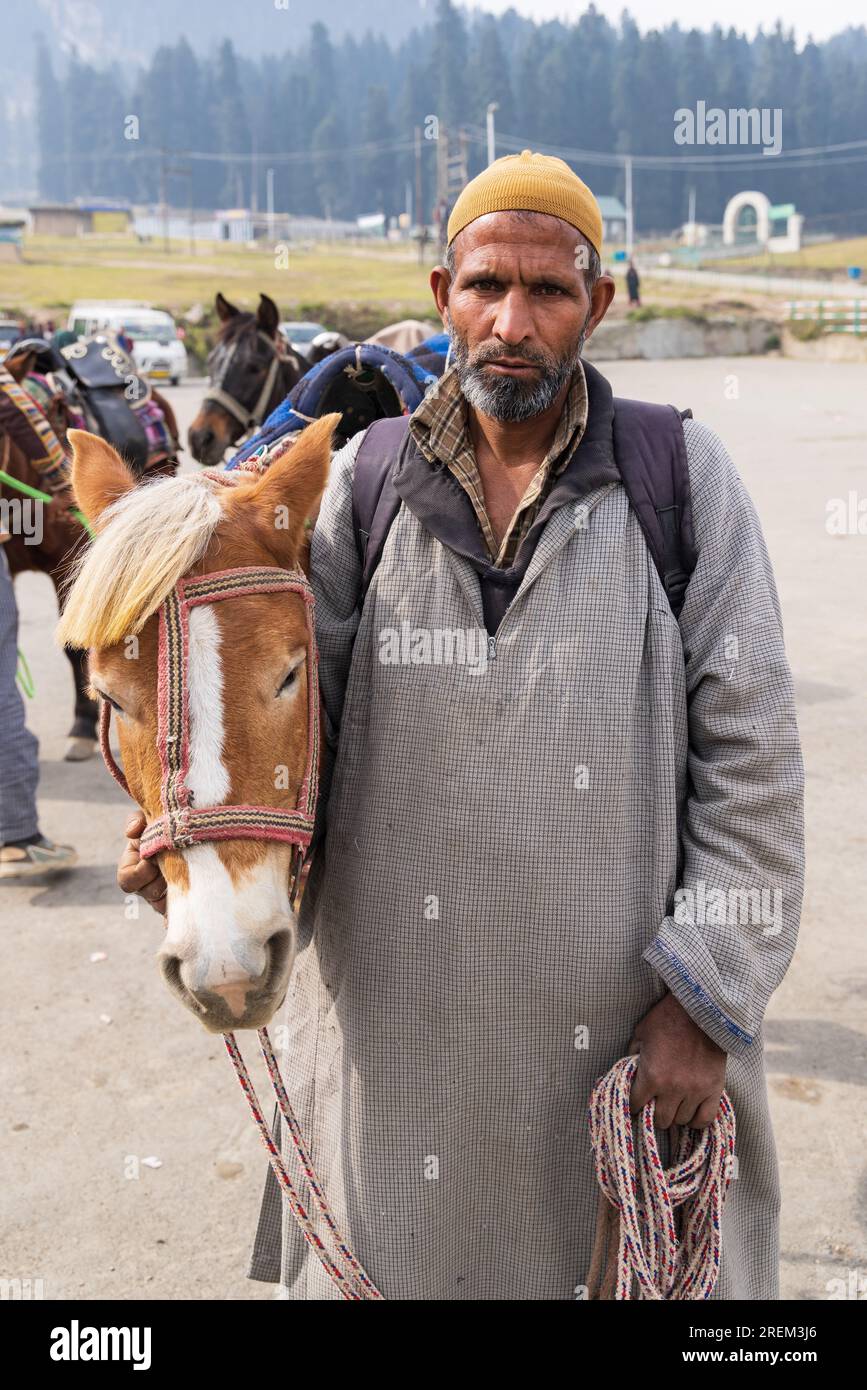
[
  {"x": 250, "y": 371},
  {"x": 62, "y": 537},
  {"x": 248, "y": 681}
]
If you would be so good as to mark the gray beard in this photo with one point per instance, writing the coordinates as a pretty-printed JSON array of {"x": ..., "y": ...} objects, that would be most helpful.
[{"x": 505, "y": 398}]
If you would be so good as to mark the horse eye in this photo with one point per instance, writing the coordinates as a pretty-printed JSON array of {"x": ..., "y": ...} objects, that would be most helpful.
[
  {"x": 112, "y": 702},
  {"x": 291, "y": 680}
]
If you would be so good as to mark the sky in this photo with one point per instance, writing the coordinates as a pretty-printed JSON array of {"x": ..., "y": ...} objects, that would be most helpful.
[{"x": 804, "y": 16}]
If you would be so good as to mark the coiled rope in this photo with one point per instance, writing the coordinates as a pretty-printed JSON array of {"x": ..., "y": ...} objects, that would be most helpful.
[{"x": 666, "y": 1237}]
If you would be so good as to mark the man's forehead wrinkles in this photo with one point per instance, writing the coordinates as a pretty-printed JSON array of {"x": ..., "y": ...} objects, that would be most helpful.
[{"x": 529, "y": 266}]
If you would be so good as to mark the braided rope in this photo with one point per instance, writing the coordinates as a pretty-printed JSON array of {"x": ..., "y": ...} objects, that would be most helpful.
[
  {"x": 307, "y": 1166},
  {"x": 667, "y": 1265},
  {"x": 353, "y": 1282}
]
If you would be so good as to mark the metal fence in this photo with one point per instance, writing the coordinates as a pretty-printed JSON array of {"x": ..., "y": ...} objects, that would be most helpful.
[{"x": 838, "y": 316}]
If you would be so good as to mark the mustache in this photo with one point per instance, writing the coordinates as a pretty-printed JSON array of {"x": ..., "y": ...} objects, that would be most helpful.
[{"x": 484, "y": 355}]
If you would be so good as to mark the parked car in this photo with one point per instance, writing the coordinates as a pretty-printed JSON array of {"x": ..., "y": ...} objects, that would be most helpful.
[
  {"x": 157, "y": 349},
  {"x": 10, "y": 332},
  {"x": 300, "y": 335}
]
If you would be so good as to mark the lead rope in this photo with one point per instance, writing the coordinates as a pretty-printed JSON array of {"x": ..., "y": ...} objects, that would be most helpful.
[
  {"x": 354, "y": 1283},
  {"x": 647, "y": 1246}
]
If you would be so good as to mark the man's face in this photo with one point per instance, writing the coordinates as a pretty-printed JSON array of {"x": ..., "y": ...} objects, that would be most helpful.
[{"x": 518, "y": 311}]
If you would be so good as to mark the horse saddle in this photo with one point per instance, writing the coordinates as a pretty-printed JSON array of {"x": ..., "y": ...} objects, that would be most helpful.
[
  {"x": 110, "y": 389},
  {"x": 363, "y": 383}
]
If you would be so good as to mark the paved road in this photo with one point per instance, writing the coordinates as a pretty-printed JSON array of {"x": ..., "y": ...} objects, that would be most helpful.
[{"x": 101, "y": 1069}]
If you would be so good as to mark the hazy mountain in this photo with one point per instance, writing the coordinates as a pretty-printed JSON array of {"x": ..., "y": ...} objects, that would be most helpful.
[{"x": 104, "y": 31}]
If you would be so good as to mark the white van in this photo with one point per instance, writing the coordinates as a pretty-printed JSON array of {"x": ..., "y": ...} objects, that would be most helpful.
[{"x": 157, "y": 350}]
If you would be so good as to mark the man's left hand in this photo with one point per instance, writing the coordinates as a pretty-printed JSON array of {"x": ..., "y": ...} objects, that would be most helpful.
[{"x": 679, "y": 1067}]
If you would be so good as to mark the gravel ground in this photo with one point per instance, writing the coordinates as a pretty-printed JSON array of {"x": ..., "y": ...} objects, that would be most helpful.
[{"x": 101, "y": 1070}]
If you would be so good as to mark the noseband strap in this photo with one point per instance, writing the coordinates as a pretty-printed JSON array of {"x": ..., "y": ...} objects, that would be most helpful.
[{"x": 183, "y": 824}]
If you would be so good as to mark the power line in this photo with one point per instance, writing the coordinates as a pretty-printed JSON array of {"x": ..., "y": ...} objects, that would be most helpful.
[
  {"x": 691, "y": 161},
  {"x": 230, "y": 156}
]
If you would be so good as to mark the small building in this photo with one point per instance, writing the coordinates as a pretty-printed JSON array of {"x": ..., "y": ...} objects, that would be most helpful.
[
  {"x": 613, "y": 218},
  {"x": 59, "y": 219},
  {"x": 11, "y": 230},
  {"x": 99, "y": 216}
]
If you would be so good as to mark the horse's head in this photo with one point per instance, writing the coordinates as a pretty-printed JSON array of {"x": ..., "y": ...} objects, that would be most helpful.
[
  {"x": 249, "y": 371},
  {"x": 216, "y": 701}
]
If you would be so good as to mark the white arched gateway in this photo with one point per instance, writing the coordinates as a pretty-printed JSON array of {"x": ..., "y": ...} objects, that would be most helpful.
[{"x": 735, "y": 206}]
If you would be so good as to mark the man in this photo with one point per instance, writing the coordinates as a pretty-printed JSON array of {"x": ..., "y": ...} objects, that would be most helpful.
[
  {"x": 633, "y": 283},
  {"x": 24, "y": 850},
  {"x": 522, "y": 832}
]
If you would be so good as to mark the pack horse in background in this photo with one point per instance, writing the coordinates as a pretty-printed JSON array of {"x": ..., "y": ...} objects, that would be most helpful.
[
  {"x": 90, "y": 383},
  {"x": 250, "y": 371}
]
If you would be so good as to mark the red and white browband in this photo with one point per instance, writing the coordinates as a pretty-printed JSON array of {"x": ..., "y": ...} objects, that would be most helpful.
[{"x": 182, "y": 824}]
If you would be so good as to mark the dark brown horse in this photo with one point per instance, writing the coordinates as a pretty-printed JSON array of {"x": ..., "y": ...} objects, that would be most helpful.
[
  {"x": 62, "y": 536},
  {"x": 250, "y": 371}
]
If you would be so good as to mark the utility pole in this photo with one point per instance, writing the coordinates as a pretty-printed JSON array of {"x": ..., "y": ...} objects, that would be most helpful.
[
  {"x": 164, "y": 211},
  {"x": 269, "y": 182},
  {"x": 492, "y": 134},
  {"x": 630, "y": 228},
  {"x": 254, "y": 178},
  {"x": 419, "y": 217},
  {"x": 192, "y": 217},
  {"x": 181, "y": 171},
  {"x": 451, "y": 176}
]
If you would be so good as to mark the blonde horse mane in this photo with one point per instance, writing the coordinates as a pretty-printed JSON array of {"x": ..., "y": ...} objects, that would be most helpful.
[{"x": 152, "y": 536}]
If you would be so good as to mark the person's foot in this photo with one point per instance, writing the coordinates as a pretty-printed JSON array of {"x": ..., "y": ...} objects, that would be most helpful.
[{"x": 35, "y": 855}]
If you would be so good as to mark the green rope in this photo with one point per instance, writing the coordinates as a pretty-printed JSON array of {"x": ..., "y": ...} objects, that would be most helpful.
[
  {"x": 42, "y": 497},
  {"x": 24, "y": 677}
]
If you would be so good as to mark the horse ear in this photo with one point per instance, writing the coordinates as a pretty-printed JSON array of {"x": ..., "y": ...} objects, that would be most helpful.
[
  {"x": 268, "y": 316},
  {"x": 292, "y": 486},
  {"x": 99, "y": 474},
  {"x": 19, "y": 367},
  {"x": 225, "y": 310}
]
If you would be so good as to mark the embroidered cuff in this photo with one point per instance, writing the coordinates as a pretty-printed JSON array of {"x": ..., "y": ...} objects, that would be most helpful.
[{"x": 681, "y": 973}]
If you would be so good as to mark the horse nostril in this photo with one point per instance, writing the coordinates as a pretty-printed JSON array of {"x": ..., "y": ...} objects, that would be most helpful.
[
  {"x": 279, "y": 947},
  {"x": 170, "y": 968},
  {"x": 201, "y": 440}
]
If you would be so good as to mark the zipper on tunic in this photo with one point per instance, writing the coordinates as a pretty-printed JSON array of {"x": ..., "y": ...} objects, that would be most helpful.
[{"x": 492, "y": 648}]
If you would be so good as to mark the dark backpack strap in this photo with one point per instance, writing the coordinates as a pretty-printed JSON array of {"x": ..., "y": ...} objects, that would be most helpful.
[
  {"x": 651, "y": 455},
  {"x": 375, "y": 503}
]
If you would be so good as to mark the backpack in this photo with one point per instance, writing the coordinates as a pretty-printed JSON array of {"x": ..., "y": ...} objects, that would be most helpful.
[{"x": 650, "y": 451}]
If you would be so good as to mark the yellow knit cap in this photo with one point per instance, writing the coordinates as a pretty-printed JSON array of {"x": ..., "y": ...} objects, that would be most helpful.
[{"x": 533, "y": 183}]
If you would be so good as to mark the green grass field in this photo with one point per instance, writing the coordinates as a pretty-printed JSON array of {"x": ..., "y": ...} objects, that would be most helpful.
[
  {"x": 825, "y": 255},
  {"x": 357, "y": 288},
  {"x": 55, "y": 271}
]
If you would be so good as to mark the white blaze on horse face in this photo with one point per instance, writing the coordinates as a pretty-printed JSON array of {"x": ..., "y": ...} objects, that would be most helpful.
[
  {"x": 208, "y": 777},
  {"x": 219, "y": 926}
]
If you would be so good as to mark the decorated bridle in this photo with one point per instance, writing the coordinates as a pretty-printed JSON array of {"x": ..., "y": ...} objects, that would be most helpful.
[
  {"x": 220, "y": 358},
  {"x": 183, "y": 824}
]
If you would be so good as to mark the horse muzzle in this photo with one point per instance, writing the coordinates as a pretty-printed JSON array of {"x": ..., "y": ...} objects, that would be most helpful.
[{"x": 228, "y": 990}]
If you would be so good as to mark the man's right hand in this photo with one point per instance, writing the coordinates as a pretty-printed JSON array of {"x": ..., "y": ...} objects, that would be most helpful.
[{"x": 137, "y": 875}]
